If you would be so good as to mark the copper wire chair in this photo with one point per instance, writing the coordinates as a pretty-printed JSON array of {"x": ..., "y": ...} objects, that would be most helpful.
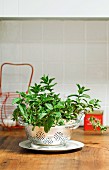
[{"x": 6, "y": 107}]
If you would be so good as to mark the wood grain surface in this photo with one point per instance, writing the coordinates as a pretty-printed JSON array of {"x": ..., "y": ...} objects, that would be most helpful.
[{"x": 93, "y": 156}]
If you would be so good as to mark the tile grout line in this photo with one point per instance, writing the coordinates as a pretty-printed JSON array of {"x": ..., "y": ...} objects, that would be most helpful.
[
  {"x": 107, "y": 34},
  {"x": 73, "y": 42},
  {"x": 85, "y": 31},
  {"x": 20, "y": 43},
  {"x": 18, "y": 8},
  {"x": 63, "y": 49},
  {"x": 42, "y": 44},
  {"x": 107, "y": 57}
]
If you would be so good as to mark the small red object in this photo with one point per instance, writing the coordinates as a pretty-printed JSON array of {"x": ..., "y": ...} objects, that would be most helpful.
[{"x": 98, "y": 115}]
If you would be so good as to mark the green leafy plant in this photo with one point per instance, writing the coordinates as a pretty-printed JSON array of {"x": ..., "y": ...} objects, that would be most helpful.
[
  {"x": 41, "y": 106},
  {"x": 96, "y": 123}
]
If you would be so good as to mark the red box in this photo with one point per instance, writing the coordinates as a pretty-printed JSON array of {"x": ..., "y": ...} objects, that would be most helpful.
[{"x": 98, "y": 115}]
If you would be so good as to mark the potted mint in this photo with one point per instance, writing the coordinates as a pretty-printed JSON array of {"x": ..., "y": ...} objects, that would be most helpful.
[{"x": 47, "y": 118}]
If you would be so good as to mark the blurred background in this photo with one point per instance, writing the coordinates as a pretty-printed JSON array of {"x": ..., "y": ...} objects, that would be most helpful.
[{"x": 72, "y": 51}]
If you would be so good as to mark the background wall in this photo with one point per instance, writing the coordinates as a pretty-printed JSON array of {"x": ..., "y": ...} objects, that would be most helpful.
[
  {"x": 57, "y": 8},
  {"x": 71, "y": 51}
]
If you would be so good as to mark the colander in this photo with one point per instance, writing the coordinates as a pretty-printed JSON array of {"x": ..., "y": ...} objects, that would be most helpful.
[{"x": 58, "y": 135}]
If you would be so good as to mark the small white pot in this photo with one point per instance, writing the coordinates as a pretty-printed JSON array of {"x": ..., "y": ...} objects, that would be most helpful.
[{"x": 58, "y": 135}]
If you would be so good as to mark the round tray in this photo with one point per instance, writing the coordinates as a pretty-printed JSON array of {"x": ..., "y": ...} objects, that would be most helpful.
[{"x": 71, "y": 145}]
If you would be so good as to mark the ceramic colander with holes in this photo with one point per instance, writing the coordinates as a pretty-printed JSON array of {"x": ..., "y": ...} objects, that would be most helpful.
[{"x": 56, "y": 136}]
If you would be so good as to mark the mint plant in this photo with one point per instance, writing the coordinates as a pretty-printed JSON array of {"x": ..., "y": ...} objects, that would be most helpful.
[{"x": 41, "y": 106}]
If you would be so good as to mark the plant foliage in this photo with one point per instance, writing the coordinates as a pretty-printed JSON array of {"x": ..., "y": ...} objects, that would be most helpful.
[{"x": 41, "y": 106}]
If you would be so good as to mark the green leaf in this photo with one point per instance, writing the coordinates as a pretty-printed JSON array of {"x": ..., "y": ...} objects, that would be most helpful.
[
  {"x": 59, "y": 105},
  {"x": 86, "y": 96},
  {"x": 80, "y": 91},
  {"x": 23, "y": 94},
  {"x": 45, "y": 79},
  {"x": 85, "y": 101},
  {"x": 79, "y": 87},
  {"x": 86, "y": 89},
  {"x": 16, "y": 100},
  {"x": 73, "y": 95},
  {"x": 52, "y": 85},
  {"x": 49, "y": 106},
  {"x": 58, "y": 114},
  {"x": 21, "y": 107},
  {"x": 36, "y": 88},
  {"x": 17, "y": 92},
  {"x": 92, "y": 101},
  {"x": 50, "y": 80},
  {"x": 61, "y": 122},
  {"x": 48, "y": 99},
  {"x": 48, "y": 124},
  {"x": 16, "y": 114},
  {"x": 41, "y": 115}
]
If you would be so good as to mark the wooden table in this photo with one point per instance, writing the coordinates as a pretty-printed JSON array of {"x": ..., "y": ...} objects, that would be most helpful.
[{"x": 94, "y": 155}]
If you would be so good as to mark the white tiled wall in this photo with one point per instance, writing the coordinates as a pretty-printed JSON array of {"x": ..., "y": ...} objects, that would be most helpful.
[{"x": 69, "y": 50}]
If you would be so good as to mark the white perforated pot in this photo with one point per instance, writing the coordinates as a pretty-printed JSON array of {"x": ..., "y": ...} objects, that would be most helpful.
[{"x": 56, "y": 136}]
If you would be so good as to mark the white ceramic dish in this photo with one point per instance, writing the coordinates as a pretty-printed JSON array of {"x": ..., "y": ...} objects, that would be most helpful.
[{"x": 71, "y": 145}]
